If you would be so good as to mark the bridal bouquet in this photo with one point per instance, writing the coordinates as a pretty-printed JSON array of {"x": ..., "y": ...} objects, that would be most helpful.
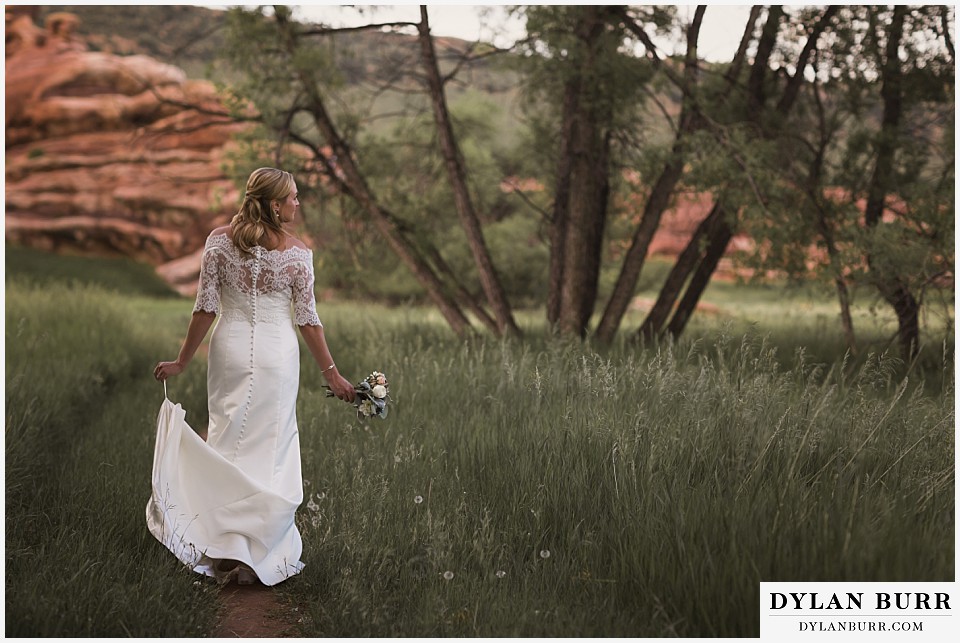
[{"x": 372, "y": 395}]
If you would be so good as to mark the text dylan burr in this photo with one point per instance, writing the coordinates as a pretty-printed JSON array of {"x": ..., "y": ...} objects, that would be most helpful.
[{"x": 855, "y": 601}]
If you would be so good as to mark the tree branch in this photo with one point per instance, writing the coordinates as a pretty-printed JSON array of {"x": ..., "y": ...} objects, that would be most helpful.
[
  {"x": 648, "y": 45},
  {"x": 198, "y": 37},
  {"x": 462, "y": 58},
  {"x": 793, "y": 85},
  {"x": 755, "y": 83},
  {"x": 945, "y": 26},
  {"x": 173, "y": 129},
  {"x": 536, "y": 208},
  {"x": 197, "y": 108},
  {"x": 663, "y": 108},
  {"x": 329, "y": 169},
  {"x": 734, "y": 71},
  {"x": 466, "y": 58}
]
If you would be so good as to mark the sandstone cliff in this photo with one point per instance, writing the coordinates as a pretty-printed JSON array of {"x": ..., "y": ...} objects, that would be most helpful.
[{"x": 105, "y": 153}]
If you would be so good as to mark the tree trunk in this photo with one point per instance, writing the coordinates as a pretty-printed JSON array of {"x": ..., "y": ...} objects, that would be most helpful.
[
  {"x": 733, "y": 73},
  {"x": 695, "y": 252},
  {"x": 815, "y": 194},
  {"x": 701, "y": 278},
  {"x": 846, "y": 320},
  {"x": 453, "y": 159},
  {"x": 587, "y": 183},
  {"x": 354, "y": 180},
  {"x": 792, "y": 90},
  {"x": 585, "y": 238},
  {"x": 698, "y": 257},
  {"x": 561, "y": 201},
  {"x": 687, "y": 261},
  {"x": 908, "y": 318},
  {"x": 659, "y": 197},
  {"x": 945, "y": 31},
  {"x": 833, "y": 254},
  {"x": 589, "y": 190},
  {"x": 636, "y": 255},
  {"x": 584, "y": 241},
  {"x": 890, "y": 285},
  {"x": 756, "y": 92},
  {"x": 461, "y": 294},
  {"x": 719, "y": 232}
]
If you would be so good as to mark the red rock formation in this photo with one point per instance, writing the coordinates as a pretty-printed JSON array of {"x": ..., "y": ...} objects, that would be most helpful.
[{"x": 104, "y": 154}]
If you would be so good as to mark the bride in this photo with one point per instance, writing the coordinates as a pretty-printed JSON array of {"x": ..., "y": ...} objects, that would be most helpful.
[{"x": 225, "y": 507}]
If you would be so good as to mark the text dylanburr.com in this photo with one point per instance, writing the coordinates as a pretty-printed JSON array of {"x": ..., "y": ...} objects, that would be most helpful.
[{"x": 858, "y": 611}]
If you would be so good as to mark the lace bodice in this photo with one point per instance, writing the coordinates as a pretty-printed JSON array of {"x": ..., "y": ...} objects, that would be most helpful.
[{"x": 257, "y": 286}]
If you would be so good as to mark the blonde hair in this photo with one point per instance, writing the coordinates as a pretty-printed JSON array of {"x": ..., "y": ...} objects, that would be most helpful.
[{"x": 255, "y": 217}]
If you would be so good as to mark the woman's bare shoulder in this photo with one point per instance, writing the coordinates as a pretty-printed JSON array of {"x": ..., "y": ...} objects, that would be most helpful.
[{"x": 296, "y": 243}]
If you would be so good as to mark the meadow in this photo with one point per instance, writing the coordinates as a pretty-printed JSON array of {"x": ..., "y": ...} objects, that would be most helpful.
[{"x": 537, "y": 488}]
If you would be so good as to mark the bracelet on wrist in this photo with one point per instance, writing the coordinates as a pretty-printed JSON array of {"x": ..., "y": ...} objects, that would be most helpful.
[{"x": 328, "y": 368}]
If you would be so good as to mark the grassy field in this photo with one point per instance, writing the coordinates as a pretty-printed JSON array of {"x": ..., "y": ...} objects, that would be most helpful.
[
  {"x": 121, "y": 275},
  {"x": 543, "y": 488}
]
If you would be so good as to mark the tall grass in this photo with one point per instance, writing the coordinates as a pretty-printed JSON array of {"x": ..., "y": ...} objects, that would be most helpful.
[
  {"x": 80, "y": 413},
  {"x": 645, "y": 492}
]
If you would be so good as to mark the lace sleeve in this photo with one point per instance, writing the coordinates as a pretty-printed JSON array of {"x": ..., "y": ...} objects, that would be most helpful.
[
  {"x": 304, "y": 302},
  {"x": 208, "y": 293}
]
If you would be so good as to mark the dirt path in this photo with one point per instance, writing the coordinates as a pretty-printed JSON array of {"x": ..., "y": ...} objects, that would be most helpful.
[{"x": 252, "y": 611}]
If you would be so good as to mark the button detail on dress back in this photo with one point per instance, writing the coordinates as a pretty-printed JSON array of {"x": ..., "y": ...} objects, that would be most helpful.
[{"x": 254, "y": 292}]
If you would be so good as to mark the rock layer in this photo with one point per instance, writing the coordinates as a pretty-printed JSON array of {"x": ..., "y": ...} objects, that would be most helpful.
[{"x": 111, "y": 154}]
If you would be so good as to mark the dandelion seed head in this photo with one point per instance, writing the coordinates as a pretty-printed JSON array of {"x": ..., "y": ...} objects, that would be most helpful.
[
  {"x": 501, "y": 573},
  {"x": 544, "y": 553},
  {"x": 396, "y": 458},
  {"x": 417, "y": 499},
  {"x": 448, "y": 575}
]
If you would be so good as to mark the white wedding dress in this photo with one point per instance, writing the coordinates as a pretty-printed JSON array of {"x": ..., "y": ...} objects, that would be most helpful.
[{"x": 235, "y": 495}]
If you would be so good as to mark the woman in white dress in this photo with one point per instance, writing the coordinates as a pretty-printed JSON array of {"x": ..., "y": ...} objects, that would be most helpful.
[{"x": 226, "y": 506}]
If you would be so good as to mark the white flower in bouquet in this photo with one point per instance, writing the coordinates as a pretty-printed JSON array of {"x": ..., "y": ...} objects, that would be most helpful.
[
  {"x": 366, "y": 407},
  {"x": 379, "y": 391}
]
